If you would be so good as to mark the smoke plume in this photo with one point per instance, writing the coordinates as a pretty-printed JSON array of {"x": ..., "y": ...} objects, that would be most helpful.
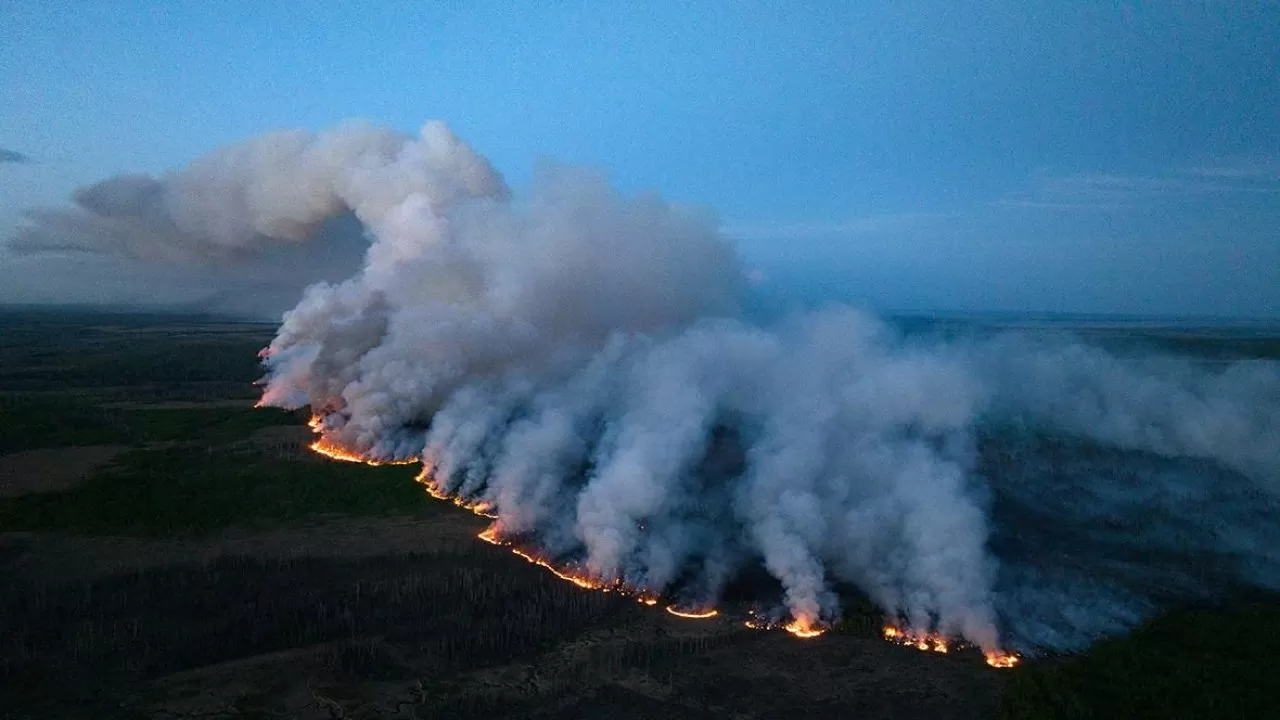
[
  {"x": 239, "y": 225},
  {"x": 577, "y": 360}
]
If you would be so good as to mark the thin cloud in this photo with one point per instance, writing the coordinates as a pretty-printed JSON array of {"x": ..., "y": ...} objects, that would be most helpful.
[
  {"x": 1265, "y": 169},
  {"x": 1105, "y": 191},
  {"x": 870, "y": 224},
  {"x": 13, "y": 156}
]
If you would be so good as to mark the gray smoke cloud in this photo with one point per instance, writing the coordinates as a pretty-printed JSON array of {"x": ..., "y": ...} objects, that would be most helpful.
[
  {"x": 277, "y": 187},
  {"x": 242, "y": 221},
  {"x": 578, "y": 360},
  {"x": 575, "y": 362}
]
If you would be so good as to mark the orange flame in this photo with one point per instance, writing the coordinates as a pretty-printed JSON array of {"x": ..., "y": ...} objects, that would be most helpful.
[
  {"x": 585, "y": 582},
  {"x": 924, "y": 641},
  {"x": 803, "y": 628},
  {"x": 799, "y": 627},
  {"x": 582, "y": 580},
  {"x": 693, "y": 614},
  {"x": 334, "y": 451},
  {"x": 935, "y": 642},
  {"x": 568, "y": 574},
  {"x": 1000, "y": 659},
  {"x": 479, "y": 507}
]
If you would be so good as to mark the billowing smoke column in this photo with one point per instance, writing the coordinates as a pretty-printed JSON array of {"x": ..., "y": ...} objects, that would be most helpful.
[
  {"x": 278, "y": 187},
  {"x": 575, "y": 362}
]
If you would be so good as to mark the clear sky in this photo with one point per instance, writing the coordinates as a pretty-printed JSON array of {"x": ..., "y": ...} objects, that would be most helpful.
[{"x": 1059, "y": 156}]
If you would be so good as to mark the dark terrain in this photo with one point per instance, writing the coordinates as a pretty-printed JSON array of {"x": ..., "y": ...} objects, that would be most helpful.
[{"x": 171, "y": 552}]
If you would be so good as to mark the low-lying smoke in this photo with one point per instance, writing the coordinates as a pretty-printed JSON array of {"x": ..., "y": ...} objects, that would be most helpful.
[{"x": 576, "y": 359}]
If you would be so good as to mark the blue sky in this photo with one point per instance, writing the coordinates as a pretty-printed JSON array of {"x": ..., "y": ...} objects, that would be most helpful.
[{"x": 1075, "y": 157}]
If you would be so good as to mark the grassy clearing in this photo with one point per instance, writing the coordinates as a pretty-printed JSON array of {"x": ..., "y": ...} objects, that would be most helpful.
[
  {"x": 181, "y": 491},
  {"x": 192, "y": 469},
  {"x": 53, "y": 351},
  {"x": 27, "y": 423},
  {"x": 208, "y": 426},
  {"x": 30, "y": 423}
]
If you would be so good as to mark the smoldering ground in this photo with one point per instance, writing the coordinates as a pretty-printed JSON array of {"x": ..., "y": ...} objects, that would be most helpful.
[{"x": 578, "y": 360}]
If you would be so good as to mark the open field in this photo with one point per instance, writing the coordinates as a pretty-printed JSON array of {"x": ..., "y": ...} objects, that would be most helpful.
[{"x": 170, "y": 552}]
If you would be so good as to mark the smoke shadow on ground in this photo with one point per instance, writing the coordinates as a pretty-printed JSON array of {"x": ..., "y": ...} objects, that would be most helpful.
[{"x": 1092, "y": 539}]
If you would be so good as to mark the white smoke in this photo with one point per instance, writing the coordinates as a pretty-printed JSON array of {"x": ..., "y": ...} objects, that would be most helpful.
[
  {"x": 574, "y": 360},
  {"x": 1163, "y": 405},
  {"x": 211, "y": 229},
  {"x": 276, "y": 187},
  {"x": 577, "y": 360}
]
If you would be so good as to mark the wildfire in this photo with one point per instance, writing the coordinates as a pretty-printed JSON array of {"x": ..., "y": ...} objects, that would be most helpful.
[
  {"x": 483, "y": 508},
  {"x": 479, "y": 507},
  {"x": 799, "y": 627},
  {"x": 803, "y": 629},
  {"x": 693, "y": 614},
  {"x": 921, "y": 641},
  {"x": 1002, "y": 659},
  {"x": 568, "y": 574},
  {"x": 586, "y": 582},
  {"x": 937, "y": 643},
  {"x": 490, "y": 536},
  {"x": 335, "y": 451}
]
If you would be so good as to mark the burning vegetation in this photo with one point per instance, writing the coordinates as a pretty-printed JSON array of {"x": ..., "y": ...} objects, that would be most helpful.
[
  {"x": 801, "y": 628},
  {"x": 692, "y": 614},
  {"x": 920, "y": 641},
  {"x": 333, "y": 451},
  {"x": 934, "y": 642},
  {"x": 804, "y": 628}
]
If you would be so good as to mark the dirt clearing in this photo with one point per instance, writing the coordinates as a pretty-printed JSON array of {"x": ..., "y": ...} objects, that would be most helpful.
[{"x": 52, "y": 469}]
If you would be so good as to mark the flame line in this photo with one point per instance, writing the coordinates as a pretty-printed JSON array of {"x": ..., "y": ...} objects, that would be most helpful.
[
  {"x": 798, "y": 627},
  {"x": 802, "y": 628},
  {"x": 334, "y": 451},
  {"x": 692, "y": 614},
  {"x": 935, "y": 642}
]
